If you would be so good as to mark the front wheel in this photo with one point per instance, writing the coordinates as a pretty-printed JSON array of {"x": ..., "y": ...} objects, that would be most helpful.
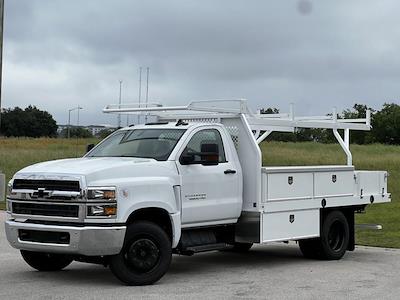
[
  {"x": 334, "y": 239},
  {"x": 46, "y": 261},
  {"x": 145, "y": 257}
]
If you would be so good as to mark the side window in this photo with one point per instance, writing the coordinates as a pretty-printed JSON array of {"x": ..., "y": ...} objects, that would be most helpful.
[{"x": 207, "y": 136}]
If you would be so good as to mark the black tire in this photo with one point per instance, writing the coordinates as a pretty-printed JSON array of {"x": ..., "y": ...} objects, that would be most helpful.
[
  {"x": 145, "y": 257},
  {"x": 333, "y": 241},
  {"x": 46, "y": 261},
  {"x": 335, "y": 236}
]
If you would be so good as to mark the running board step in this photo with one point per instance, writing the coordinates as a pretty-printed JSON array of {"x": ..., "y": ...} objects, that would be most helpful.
[{"x": 204, "y": 248}]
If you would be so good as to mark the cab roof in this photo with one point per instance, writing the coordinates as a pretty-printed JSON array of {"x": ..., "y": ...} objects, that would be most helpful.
[{"x": 164, "y": 125}]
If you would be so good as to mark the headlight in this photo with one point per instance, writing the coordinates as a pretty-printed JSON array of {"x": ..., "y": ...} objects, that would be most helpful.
[
  {"x": 101, "y": 193},
  {"x": 10, "y": 187},
  {"x": 101, "y": 210}
]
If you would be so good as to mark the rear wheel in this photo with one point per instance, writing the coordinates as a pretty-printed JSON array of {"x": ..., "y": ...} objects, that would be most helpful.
[
  {"x": 334, "y": 239},
  {"x": 46, "y": 261},
  {"x": 145, "y": 257}
]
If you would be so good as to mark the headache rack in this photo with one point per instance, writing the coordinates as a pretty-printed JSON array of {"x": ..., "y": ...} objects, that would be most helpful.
[{"x": 261, "y": 125}]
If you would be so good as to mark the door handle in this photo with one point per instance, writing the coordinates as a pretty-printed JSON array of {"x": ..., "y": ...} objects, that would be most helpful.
[{"x": 229, "y": 171}]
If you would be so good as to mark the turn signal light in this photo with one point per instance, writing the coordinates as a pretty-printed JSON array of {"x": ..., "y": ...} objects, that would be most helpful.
[
  {"x": 102, "y": 210},
  {"x": 110, "y": 210}
]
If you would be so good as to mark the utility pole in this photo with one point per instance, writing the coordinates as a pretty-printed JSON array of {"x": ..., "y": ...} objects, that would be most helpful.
[
  {"x": 69, "y": 122},
  {"x": 120, "y": 93},
  {"x": 147, "y": 90},
  {"x": 1, "y": 52},
  {"x": 140, "y": 90},
  {"x": 69, "y": 117}
]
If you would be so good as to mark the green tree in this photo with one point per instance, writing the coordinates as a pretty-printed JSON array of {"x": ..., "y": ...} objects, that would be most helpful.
[
  {"x": 76, "y": 132},
  {"x": 386, "y": 124},
  {"x": 30, "y": 122},
  {"x": 358, "y": 111},
  {"x": 105, "y": 133}
]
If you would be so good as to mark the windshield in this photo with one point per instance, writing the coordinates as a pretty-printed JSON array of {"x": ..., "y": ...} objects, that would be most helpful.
[{"x": 146, "y": 143}]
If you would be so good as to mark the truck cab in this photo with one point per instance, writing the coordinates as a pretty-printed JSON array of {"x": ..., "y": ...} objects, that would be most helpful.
[{"x": 183, "y": 186}]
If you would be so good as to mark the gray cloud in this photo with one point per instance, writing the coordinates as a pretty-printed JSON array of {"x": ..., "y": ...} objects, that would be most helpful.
[{"x": 315, "y": 53}]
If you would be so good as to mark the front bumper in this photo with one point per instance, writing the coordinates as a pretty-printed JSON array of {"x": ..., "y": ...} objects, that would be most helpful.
[{"x": 87, "y": 240}]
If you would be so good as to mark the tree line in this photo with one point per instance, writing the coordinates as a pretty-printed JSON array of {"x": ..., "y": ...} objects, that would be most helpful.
[
  {"x": 29, "y": 122},
  {"x": 33, "y": 122}
]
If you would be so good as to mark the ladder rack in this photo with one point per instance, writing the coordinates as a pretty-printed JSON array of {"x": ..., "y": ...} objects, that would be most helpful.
[{"x": 216, "y": 110}]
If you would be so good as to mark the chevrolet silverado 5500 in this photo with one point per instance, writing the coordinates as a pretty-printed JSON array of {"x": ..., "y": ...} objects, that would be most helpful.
[{"x": 191, "y": 181}]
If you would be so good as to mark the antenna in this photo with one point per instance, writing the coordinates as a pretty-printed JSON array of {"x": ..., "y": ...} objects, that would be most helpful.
[{"x": 147, "y": 90}]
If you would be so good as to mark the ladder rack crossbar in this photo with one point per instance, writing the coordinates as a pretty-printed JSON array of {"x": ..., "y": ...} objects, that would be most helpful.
[{"x": 217, "y": 109}]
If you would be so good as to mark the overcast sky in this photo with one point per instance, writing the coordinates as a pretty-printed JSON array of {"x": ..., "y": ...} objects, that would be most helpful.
[{"x": 317, "y": 54}]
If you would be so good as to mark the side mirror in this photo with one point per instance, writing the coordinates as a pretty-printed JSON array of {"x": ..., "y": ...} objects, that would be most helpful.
[
  {"x": 89, "y": 147},
  {"x": 209, "y": 154},
  {"x": 187, "y": 159}
]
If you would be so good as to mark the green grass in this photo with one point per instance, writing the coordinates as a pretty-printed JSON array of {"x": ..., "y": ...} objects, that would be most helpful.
[
  {"x": 369, "y": 157},
  {"x": 18, "y": 153}
]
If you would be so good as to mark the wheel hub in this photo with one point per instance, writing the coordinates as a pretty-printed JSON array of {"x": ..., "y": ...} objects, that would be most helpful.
[
  {"x": 143, "y": 255},
  {"x": 336, "y": 236}
]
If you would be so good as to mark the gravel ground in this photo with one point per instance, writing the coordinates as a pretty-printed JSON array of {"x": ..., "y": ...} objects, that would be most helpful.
[{"x": 275, "y": 271}]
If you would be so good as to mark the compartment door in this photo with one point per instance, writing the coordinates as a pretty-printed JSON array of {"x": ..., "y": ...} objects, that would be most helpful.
[{"x": 290, "y": 225}]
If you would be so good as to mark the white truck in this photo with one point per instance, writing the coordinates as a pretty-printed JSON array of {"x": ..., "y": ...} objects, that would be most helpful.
[{"x": 190, "y": 182}]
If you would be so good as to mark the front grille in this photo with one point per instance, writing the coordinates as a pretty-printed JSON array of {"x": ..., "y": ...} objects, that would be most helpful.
[
  {"x": 49, "y": 185},
  {"x": 54, "y": 210},
  {"x": 43, "y": 236}
]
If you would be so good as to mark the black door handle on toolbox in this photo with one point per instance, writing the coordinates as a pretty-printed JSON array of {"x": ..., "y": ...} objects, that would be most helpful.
[{"x": 229, "y": 171}]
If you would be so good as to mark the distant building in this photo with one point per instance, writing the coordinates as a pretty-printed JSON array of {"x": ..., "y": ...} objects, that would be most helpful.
[
  {"x": 60, "y": 128},
  {"x": 93, "y": 129},
  {"x": 96, "y": 129}
]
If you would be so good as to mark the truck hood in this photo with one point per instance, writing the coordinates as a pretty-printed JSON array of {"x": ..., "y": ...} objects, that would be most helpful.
[{"x": 101, "y": 168}]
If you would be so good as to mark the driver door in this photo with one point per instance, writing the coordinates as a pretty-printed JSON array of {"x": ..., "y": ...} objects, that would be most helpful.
[{"x": 211, "y": 193}]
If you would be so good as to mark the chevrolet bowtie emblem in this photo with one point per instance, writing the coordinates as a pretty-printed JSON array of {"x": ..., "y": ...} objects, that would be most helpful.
[{"x": 41, "y": 193}]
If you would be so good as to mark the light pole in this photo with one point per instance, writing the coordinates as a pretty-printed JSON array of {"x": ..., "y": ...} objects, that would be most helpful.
[
  {"x": 120, "y": 97},
  {"x": 79, "y": 108},
  {"x": 147, "y": 92},
  {"x": 140, "y": 92},
  {"x": 69, "y": 117},
  {"x": 1, "y": 51}
]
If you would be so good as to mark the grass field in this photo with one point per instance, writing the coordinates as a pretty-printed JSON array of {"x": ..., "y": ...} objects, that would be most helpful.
[{"x": 17, "y": 153}]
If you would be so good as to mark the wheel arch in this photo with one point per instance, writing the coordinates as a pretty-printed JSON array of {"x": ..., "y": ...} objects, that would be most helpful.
[{"x": 161, "y": 217}]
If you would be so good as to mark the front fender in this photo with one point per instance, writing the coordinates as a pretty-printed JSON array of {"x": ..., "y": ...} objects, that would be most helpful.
[{"x": 154, "y": 193}]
